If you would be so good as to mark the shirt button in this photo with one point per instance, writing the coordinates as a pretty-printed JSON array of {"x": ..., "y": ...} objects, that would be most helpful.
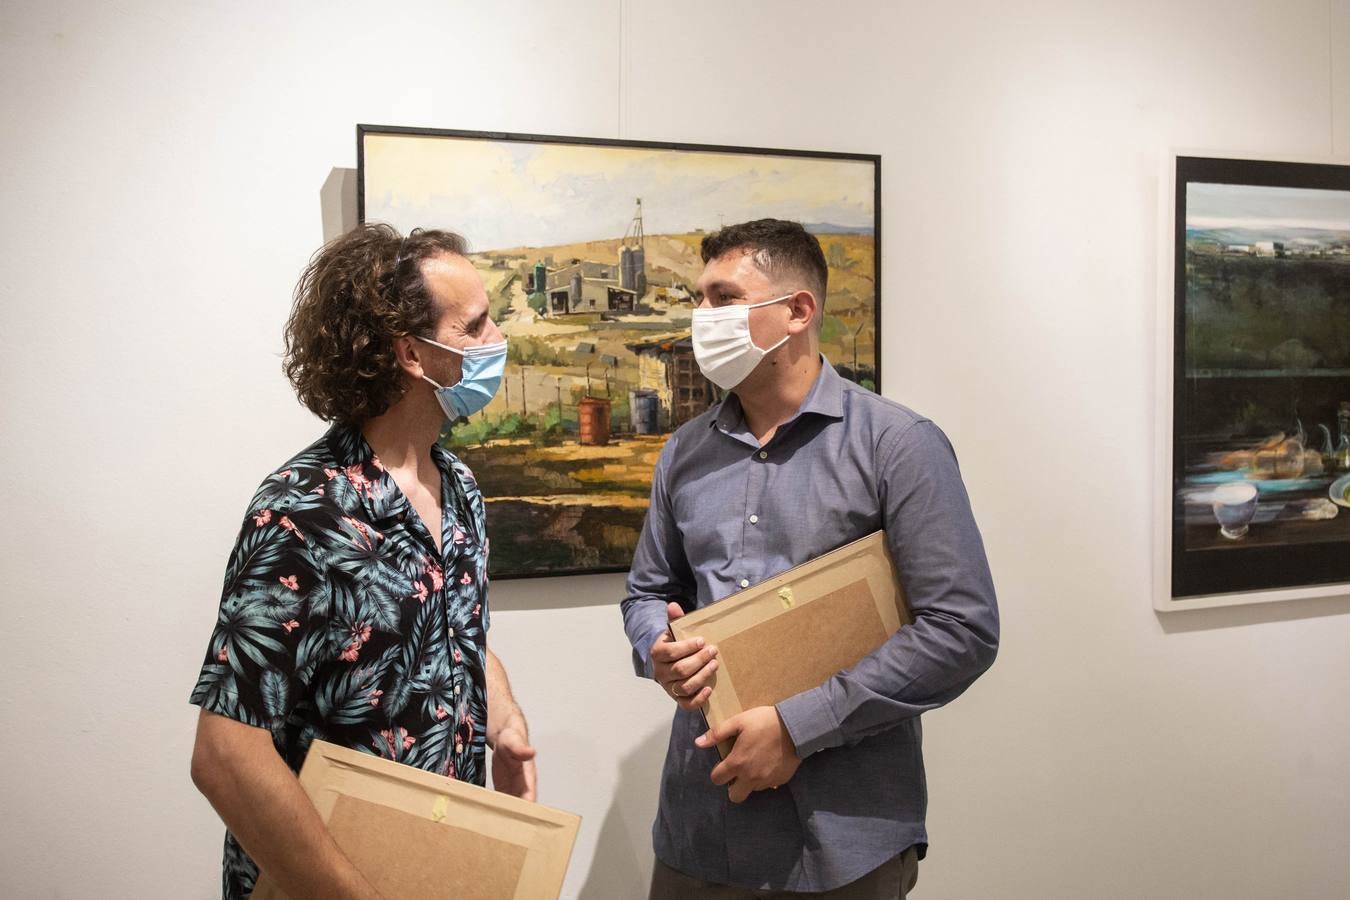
[
  {"x": 452, "y": 631},
  {"x": 763, "y": 454},
  {"x": 745, "y": 582},
  {"x": 754, "y": 519}
]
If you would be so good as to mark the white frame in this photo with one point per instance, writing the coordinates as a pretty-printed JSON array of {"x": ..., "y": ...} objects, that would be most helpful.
[{"x": 1162, "y": 433}]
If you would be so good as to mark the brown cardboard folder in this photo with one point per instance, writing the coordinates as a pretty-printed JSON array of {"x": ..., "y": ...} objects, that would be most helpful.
[
  {"x": 792, "y": 632},
  {"x": 417, "y": 835}
]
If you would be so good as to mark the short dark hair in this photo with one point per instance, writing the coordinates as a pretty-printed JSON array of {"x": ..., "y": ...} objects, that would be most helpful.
[
  {"x": 779, "y": 248},
  {"x": 358, "y": 294}
]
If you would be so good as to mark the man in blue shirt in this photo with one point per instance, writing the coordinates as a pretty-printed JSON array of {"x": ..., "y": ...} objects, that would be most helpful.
[{"x": 824, "y": 793}]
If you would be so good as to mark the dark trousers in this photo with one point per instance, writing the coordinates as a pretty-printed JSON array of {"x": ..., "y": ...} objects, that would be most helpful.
[{"x": 892, "y": 880}]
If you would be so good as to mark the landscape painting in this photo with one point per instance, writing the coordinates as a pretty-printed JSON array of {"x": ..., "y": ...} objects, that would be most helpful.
[
  {"x": 1261, "y": 413},
  {"x": 589, "y": 251}
]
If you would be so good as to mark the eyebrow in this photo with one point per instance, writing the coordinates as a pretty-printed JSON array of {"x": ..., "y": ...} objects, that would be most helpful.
[{"x": 717, "y": 286}]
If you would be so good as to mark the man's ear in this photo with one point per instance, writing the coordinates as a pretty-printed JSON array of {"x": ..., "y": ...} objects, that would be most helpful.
[
  {"x": 802, "y": 307},
  {"x": 408, "y": 355}
]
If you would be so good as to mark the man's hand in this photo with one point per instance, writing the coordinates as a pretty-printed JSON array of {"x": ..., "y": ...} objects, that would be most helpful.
[
  {"x": 683, "y": 668},
  {"x": 508, "y": 736},
  {"x": 513, "y": 763},
  {"x": 762, "y": 757}
]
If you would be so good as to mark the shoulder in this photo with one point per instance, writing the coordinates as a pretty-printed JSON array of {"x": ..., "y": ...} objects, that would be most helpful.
[
  {"x": 300, "y": 488},
  {"x": 886, "y": 419},
  {"x": 895, "y": 430},
  {"x": 870, "y": 408}
]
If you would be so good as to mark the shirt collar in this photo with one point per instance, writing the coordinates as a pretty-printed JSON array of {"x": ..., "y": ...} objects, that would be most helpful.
[
  {"x": 826, "y": 398},
  {"x": 380, "y": 494}
]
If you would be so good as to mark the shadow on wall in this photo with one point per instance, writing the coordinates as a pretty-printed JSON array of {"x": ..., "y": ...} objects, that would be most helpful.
[
  {"x": 622, "y": 866},
  {"x": 337, "y": 203},
  {"x": 1181, "y": 621}
]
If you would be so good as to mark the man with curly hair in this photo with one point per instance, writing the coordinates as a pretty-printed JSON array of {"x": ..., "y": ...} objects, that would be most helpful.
[{"x": 355, "y": 605}]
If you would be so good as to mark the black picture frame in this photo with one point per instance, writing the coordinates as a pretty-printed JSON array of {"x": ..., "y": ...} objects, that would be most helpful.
[
  {"x": 537, "y": 565},
  {"x": 1233, "y": 296}
]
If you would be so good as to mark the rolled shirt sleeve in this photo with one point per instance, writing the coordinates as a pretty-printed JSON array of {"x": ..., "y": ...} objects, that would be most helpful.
[{"x": 939, "y": 556}]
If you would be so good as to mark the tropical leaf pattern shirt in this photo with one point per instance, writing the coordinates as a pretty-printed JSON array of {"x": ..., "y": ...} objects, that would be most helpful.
[{"x": 340, "y": 620}]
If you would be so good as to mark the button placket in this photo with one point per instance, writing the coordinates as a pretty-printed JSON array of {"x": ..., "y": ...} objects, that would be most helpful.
[{"x": 752, "y": 541}]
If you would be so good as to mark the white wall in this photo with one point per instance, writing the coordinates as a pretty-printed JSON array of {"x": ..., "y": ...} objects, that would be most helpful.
[{"x": 162, "y": 167}]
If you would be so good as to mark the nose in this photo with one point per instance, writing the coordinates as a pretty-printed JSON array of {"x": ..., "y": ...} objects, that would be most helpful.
[{"x": 492, "y": 334}]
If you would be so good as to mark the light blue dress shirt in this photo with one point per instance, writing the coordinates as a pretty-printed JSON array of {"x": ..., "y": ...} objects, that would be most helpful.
[{"x": 727, "y": 513}]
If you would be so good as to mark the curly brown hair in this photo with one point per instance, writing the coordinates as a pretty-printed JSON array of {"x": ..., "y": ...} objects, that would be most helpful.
[{"x": 359, "y": 292}]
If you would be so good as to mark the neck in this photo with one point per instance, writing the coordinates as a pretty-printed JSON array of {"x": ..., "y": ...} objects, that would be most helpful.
[
  {"x": 774, "y": 392},
  {"x": 403, "y": 435}
]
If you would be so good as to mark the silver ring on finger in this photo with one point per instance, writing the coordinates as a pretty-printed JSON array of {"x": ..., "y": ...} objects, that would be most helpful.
[{"x": 675, "y": 692}]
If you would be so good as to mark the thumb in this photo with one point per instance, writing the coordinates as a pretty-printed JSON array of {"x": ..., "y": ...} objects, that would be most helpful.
[
  {"x": 513, "y": 743},
  {"x": 674, "y": 611},
  {"x": 719, "y": 733}
]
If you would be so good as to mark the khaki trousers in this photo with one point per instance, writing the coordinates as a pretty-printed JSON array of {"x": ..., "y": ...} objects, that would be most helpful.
[{"x": 892, "y": 880}]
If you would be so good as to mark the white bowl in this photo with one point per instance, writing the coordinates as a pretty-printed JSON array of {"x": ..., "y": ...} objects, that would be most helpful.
[{"x": 1337, "y": 491}]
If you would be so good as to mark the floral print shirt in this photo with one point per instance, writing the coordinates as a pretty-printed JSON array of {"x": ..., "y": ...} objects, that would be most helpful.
[{"x": 340, "y": 620}]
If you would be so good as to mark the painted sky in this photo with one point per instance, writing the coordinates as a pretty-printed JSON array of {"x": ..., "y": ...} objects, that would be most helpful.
[
  {"x": 507, "y": 194},
  {"x": 1214, "y": 206}
]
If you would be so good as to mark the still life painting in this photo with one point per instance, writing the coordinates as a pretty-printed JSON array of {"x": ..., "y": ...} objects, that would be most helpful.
[
  {"x": 1261, "y": 376},
  {"x": 589, "y": 251}
]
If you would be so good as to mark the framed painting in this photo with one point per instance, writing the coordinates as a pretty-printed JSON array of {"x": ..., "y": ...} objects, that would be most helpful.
[
  {"x": 1254, "y": 382},
  {"x": 589, "y": 251}
]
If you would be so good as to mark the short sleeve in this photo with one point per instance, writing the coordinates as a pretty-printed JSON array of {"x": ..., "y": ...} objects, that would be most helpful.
[{"x": 271, "y": 629}]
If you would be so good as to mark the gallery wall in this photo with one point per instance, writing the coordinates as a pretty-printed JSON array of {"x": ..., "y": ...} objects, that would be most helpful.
[{"x": 163, "y": 176}]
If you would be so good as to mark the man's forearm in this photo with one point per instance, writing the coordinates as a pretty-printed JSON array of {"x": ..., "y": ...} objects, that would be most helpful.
[
  {"x": 262, "y": 803},
  {"x": 503, "y": 711}
]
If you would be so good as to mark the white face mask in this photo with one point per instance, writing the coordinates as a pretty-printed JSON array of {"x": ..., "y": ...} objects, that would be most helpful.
[{"x": 725, "y": 352}]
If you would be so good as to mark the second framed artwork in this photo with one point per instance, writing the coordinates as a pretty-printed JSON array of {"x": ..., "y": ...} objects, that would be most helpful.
[
  {"x": 1254, "y": 382},
  {"x": 589, "y": 251}
]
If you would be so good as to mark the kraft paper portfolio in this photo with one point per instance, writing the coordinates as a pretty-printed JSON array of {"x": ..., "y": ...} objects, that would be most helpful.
[
  {"x": 416, "y": 835},
  {"x": 792, "y": 632}
]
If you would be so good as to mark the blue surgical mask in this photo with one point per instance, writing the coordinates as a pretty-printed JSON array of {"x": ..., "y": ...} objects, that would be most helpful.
[{"x": 482, "y": 375}]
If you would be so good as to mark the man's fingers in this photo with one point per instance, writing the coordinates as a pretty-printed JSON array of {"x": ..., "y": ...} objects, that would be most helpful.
[
  {"x": 694, "y": 663},
  {"x": 514, "y": 744},
  {"x": 691, "y": 686},
  {"x": 724, "y": 772},
  {"x": 695, "y": 702},
  {"x": 736, "y": 793},
  {"x": 668, "y": 651},
  {"x": 531, "y": 782},
  {"x": 724, "y": 732},
  {"x": 674, "y": 611}
]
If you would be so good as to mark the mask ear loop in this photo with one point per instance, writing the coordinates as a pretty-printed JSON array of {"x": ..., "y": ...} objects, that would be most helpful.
[
  {"x": 439, "y": 344},
  {"x": 764, "y": 353},
  {"x": 768, "y": 302}
]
